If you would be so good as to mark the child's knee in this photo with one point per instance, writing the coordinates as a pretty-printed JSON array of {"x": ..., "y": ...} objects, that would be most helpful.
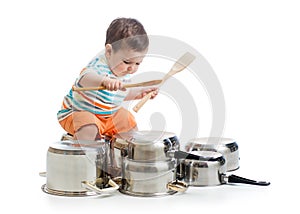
[{"x": 87, "y": 132}]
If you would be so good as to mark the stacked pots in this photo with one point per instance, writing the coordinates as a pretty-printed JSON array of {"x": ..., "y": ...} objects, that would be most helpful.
[
  {"x": 140, "y": 163},
  {"x": 219, "y": 155},
  {"x": 147, "y": 167},
  {"x": 226, "y": 146},
  {"x": 211, "y": 159}
]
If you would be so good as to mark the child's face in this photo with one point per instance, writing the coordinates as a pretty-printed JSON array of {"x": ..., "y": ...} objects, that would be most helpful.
[{"x": 123, "y": 61}]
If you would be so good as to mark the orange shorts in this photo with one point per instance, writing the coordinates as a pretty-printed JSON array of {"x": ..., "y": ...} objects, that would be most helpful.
[{"x": 121, "y": 121}]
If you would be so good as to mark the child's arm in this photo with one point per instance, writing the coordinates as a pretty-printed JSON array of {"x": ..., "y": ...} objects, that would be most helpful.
[
  {"x": 139, "y": 93},
  {"x": 92, "y": 79}
]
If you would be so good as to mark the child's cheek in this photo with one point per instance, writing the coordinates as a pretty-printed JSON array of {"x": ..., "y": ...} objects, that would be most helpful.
[{"x": 119, "y": 69}]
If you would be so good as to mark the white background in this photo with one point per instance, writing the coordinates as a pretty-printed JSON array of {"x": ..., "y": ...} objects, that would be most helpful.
[{"x": 253, "y": 47}]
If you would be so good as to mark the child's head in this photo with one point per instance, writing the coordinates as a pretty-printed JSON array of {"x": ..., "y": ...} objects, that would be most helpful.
[
  {"x": 126, "y": 45},
  {"x": 127, "y": 33}
]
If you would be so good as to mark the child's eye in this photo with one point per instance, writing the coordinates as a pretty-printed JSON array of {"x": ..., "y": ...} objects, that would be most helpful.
[{"x": 126, "y": 62}]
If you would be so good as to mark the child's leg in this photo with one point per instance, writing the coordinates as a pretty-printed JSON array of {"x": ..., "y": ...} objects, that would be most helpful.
[
  {"x": 82, "y": 125},
  {"x": 87, "y": 132},
  {"x": 121, "y": 121}
]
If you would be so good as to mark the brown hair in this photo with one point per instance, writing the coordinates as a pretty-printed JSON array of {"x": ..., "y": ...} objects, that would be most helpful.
[{"x": 127, "y": 32}]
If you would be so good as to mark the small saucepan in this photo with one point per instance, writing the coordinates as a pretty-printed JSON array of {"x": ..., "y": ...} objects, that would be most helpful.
[
  {"x": 226, "y": 146},
  {"x": 208, "y": 168}
]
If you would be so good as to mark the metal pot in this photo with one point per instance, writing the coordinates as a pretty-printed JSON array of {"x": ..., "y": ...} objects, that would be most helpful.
[
  {"x": 208, "y": 169},
  {"x": 147, "y": 167},
  {"x": 150, "y": 178},
  {"x": 78, "y": 169},
  {"x": 144, "y": 145},
  {"x": 226, "y": 146}
]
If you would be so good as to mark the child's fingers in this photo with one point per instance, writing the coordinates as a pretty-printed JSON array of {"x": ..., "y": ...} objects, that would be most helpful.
[
  {"x": 114, "y": 85},
  {"x": 121, "y": 86},
  {"x": 154, "y": 93}
]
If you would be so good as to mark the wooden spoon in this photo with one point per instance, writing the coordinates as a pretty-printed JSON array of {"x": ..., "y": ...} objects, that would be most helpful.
[
  {"x": 179, "y": 65},
  {"x": 141, "y": 84}
]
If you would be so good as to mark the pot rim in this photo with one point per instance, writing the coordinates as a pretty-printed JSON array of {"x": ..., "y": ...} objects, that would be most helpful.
[{"x": 68, "y": 147}]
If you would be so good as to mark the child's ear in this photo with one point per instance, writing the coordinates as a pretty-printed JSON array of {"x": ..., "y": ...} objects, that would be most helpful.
[{"x": 108, "y": 50}]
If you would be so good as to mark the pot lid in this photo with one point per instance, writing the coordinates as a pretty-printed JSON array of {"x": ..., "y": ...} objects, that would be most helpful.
[
  {"x": 74, "y": 145},
  {"x": 210, "y": 143},
  {"x": 145, "y": 136},
  {"x": 207, "y": 154},
  {"x": 212, "y": 140},
  {"x": 210, "y": 156}
]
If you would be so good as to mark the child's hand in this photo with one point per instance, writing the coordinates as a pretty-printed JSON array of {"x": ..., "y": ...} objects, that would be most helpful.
[
  {"x": 113, "y": 84},
  {"x": 153, "y": 91}
]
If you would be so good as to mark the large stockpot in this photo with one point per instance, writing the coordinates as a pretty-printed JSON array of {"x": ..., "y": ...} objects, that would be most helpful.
[
  {"x": 208, "y": 168},
  {"x": 78, "y": 169},
  {"x": 226, "y": 146}
]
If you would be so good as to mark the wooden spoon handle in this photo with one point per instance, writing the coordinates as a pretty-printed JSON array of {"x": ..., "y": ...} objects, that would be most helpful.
[
  {"x": 141, "y": 84},
  {"x": 137, "y": 107},
  {"x": 87, "y": 88}
]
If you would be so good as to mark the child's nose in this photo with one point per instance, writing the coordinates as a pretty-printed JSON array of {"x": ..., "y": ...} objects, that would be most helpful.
[{"x": 129, "y": 68}]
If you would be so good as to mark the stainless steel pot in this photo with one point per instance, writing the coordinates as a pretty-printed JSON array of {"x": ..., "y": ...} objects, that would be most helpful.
[
  {"x": 150, "y": 178},
  {"x": 226, "y": 146},
  {"x": 147, "y": 167},
  {"x": 144, "y": 145},
  {"x": 203, "y": 172},
  {"x": 207, "y": 168},
  {"x": 78, "y": 169}
]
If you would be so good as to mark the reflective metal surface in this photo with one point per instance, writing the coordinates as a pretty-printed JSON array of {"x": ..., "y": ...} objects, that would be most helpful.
[
  {"x": 146, "y": 179},
  {"x": 203, "y": 172},
  {"x": 147, "y": 145},
  {"x": 69, "y": 163},
  {"x": 67, "y": 193},
  {"x": 226, "y": 146}
]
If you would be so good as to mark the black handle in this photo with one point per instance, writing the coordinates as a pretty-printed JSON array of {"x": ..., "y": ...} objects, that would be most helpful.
[
  {"x": 237, "y": 179},
  {"x": 186, "y": 155}
]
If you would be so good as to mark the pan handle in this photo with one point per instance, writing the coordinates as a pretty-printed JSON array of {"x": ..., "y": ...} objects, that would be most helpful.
[
  {"x": 178, "y": 186},
  {"x": 185, "y": 155},
  {"x": 238, "y": 179},
  {"x": 90, "y": 186},
  {"x": 43, "y": 174}
]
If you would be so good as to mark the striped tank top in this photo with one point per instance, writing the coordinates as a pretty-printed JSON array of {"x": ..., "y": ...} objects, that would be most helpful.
[{"x": 100, "y": 102}]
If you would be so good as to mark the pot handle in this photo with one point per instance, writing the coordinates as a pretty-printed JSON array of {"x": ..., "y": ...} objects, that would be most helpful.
[
  {"x": 185, "y": 155},
  {"x": 91, "y": 186},
  {"x": 238, "y": 179},
  {"x": 177, "y": 186},
  {"x": 43, "y": 174}
]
